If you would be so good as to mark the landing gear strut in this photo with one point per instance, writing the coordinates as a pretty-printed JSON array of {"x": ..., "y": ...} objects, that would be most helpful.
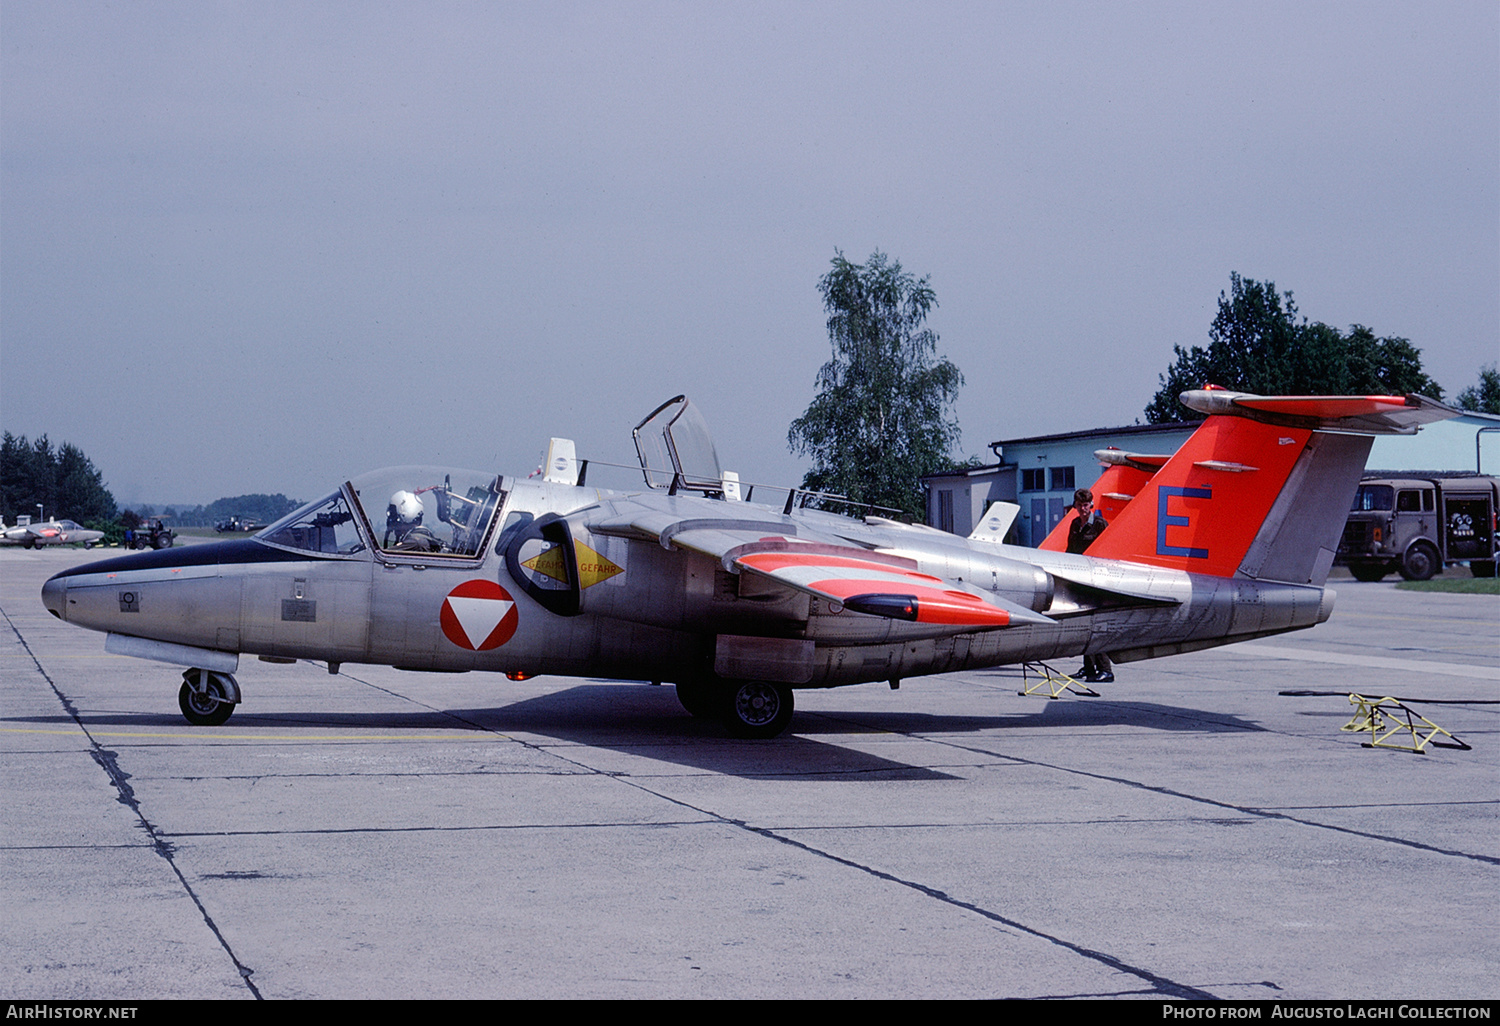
[{"x": 207, "y": 698}]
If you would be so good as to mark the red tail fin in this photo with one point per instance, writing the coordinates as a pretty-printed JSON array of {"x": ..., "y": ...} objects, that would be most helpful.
[{"x": 1261, "y": 489}]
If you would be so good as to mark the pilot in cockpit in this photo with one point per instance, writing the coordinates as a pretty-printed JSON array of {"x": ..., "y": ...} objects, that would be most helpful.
[
  {"x": 467, "y": 515},
  {"x": 403, "y": 523}
]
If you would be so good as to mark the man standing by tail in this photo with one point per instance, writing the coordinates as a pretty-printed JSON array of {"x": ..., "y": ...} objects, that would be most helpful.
[{"x": 1088, "y": 525}]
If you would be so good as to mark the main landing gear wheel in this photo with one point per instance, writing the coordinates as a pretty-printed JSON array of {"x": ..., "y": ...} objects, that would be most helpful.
[
  {"x": 205, "y": 698},
  {"x": 758, "y": 709}
]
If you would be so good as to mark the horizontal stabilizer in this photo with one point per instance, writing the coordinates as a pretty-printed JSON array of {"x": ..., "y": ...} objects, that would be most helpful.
[
  {"x": 1140, "y": 461},
  {"x": 1361, "y": 414}
]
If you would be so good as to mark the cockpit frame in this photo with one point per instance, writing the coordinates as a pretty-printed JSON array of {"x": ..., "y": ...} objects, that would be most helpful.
[{"x": 490, "y": 503}]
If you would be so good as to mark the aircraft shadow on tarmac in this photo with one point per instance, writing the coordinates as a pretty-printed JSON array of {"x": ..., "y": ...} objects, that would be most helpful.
[{"x": 648, "y": 721}]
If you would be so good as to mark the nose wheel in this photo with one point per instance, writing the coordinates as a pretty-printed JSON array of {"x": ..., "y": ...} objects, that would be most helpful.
[{"x": 207, "y": 698}]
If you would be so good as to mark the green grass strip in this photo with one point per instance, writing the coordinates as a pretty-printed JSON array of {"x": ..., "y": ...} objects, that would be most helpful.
[{"x": 1465, "y": 586}]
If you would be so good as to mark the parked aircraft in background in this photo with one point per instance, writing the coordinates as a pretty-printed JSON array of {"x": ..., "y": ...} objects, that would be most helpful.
[
  {"x": 740, "y": 604},
  {"x": 50, "y": 532}
]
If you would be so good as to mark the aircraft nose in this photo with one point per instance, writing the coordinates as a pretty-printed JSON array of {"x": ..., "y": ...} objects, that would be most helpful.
[{"x": 55, "y": 597}]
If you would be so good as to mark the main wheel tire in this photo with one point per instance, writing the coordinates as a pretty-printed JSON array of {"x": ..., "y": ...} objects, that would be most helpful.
[
  {"x": 703, "y": 699},
  {"x": 205, "y": 710},
  {"x": 1420, "y": 562},
  {"x": 758, "y": 709},
  {"x": 1367, "y": 572},
  {"x": 163, "y": 541}
]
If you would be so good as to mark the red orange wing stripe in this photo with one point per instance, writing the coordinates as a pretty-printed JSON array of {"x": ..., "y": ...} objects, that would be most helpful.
[{"x": 878, "y": 588}]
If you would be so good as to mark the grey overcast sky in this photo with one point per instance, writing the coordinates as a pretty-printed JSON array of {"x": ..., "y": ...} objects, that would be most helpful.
[{"x": 262, "y": 246}]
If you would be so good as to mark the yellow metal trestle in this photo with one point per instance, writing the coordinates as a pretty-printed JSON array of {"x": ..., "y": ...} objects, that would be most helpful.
[
  {"x": 1386, "y": 717},
  {"x": 1051, "y": 682}
]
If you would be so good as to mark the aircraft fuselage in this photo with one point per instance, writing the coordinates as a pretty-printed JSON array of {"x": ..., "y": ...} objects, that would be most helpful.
[{"x": 649, "y": 612}]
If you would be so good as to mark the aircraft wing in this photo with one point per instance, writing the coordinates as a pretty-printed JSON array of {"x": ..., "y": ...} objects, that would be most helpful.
[
  {"x": 855, "y": 580},
  {"x": 826, "y": 567}
]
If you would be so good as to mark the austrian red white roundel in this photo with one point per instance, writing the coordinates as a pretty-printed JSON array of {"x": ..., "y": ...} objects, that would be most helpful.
[{"x": 479, "y": 615}]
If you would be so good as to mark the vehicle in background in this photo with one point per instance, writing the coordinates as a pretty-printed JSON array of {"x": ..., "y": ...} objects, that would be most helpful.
[
  {"x": 236, "y": 524},
  {"x": 151, "y": 534},
  {"x": 1417, "y": 523}
]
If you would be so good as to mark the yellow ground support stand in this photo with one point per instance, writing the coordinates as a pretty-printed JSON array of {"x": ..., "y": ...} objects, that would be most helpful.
[
  {"x": 1052, "y": 682},
  {"x": 1386, "y": 717}
]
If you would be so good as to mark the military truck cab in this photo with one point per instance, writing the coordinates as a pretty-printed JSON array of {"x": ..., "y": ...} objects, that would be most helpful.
[{"x": 1417, "y": 524}]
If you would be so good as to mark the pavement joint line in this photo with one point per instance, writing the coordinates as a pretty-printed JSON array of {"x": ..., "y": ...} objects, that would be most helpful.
[
  {"x": 109, "y": 762},
  {"x": 1265, "y": 813},
  {"x": 1313, "y": 655},
  {"x": 188, "y": 735},
  {"x": 709, "y": 819},
  {"x": 1159, "y": 984}
]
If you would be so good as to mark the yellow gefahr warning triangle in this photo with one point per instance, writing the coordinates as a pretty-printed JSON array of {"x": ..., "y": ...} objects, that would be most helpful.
[{"x": 592, "y": 567}]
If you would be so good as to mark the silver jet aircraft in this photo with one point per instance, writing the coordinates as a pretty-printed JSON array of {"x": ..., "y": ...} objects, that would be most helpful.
[
  {"x": 50, "y": 532},
  {"x": 740, "y": 604}
]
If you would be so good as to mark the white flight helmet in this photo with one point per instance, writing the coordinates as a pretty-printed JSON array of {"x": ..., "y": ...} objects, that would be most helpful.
[{"x": 408, "y": 507}]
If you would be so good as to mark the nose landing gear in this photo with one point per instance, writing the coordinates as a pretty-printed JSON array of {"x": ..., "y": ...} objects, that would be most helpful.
[{"x": 207, "y": 698}]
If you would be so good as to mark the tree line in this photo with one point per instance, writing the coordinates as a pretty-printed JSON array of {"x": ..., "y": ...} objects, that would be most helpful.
[
  {"x": 1257, "y": 344},
  {"x": 257, "y": 506},
  {"x": 64, "y": 482}
]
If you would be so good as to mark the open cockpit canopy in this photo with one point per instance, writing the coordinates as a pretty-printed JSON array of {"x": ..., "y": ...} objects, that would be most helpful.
[{"x": 676, "y": 449}]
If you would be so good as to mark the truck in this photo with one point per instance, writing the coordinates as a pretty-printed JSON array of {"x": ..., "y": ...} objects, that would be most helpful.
[{"x": 1417, "y": 522}]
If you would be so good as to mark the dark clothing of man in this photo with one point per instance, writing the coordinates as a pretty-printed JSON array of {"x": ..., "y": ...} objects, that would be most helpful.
[
  {"x": 1085, "y": 527},
  {"x": 1083, "y": 530}
]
